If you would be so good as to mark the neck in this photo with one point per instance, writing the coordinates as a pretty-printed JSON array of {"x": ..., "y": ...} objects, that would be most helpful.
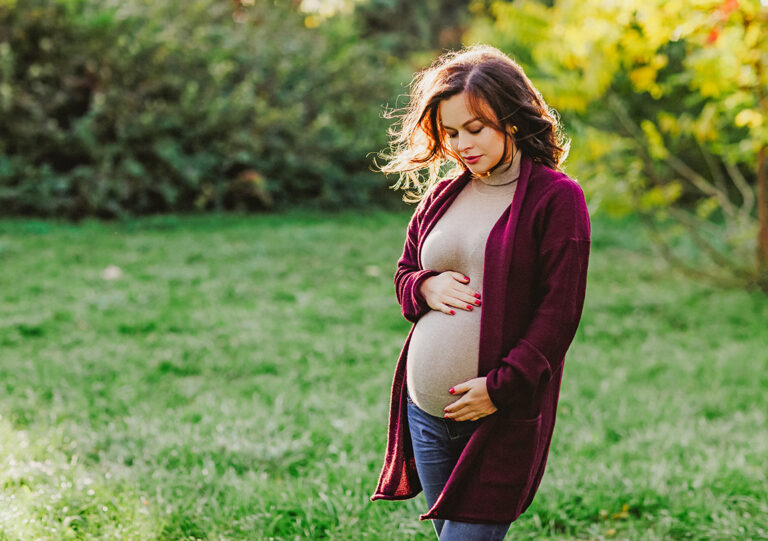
[{"x": 505, "y": 173}]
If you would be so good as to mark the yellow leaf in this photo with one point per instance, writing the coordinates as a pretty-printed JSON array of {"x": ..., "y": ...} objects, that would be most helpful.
[
  {"x": 623, "y": 514},
  {"x": 705, "y": 127},
  {"x": 669, "y": 123},
  {"x": 706, "y": 207},
  {"x": 658, "y": 197},
  {"x": 659, "y": 61},
  {"x": 312, "y": 21},
  {"x": 643, "y": 77},
  {"x": 749, "y": 117},
  {"x": 598, "y": 147},
  {"x": 656, "y": 91},
  {"x": 655, "y": 141},
  {"x": 752, "y": 35},
  {"x": 709, "y": 88}
]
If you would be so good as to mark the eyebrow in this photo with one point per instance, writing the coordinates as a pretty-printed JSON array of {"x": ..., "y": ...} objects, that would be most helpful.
[{"x": 467, "y": 122}]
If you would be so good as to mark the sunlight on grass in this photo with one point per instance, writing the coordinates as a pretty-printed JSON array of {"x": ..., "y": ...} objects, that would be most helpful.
[
  {"x": 49, "y": 493},
  {"x": 231, "y": 382}
]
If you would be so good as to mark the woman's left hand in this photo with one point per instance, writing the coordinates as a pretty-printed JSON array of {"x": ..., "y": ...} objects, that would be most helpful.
[{"x": 473, "y": 405}]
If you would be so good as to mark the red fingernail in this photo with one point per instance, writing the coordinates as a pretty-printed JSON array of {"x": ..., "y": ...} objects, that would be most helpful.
[
  {"x": 477, "y": 295},
  {"x": 477, "y": 303},
  {"x": 452, "y": 312},
  {"x": 469, "y": 307},
  {"x": 451, "y": 391}
]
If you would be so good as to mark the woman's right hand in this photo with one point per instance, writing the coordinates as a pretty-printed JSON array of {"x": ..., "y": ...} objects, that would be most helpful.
[{"x": 447, "y": 290}]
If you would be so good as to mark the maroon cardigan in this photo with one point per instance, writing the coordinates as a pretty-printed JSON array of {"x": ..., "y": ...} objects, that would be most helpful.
[{"x": 533, "y": 291}]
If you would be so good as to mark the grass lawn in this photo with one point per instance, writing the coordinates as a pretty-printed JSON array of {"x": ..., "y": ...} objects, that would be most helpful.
[{"x": 233, "y": 382}]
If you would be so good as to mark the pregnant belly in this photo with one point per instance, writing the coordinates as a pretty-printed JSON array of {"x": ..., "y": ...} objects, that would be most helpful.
[{"x": 442, "y": 353}]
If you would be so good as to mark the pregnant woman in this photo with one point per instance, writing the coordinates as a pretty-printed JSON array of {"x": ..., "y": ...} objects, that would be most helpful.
[{"x": 493, "y": 276}]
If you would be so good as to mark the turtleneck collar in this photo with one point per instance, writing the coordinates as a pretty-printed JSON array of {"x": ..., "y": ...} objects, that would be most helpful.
[{"x": 503, "y": 175}]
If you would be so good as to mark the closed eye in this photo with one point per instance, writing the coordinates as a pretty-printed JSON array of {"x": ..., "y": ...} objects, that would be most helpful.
[{"x": 473, "y": 132}]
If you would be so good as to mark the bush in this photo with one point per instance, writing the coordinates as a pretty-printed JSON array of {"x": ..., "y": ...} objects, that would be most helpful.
[{"x": 134, "y": 107}]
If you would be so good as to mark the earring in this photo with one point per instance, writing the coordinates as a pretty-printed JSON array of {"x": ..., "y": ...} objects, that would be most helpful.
[{"x": 514, "y": 129}]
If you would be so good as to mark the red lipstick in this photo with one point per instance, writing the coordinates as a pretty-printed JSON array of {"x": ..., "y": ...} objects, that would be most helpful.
[{"x": 472, "y": 159}]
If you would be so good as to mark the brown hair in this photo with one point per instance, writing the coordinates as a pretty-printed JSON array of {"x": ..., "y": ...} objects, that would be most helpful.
[{"x": 499, "y": 94}]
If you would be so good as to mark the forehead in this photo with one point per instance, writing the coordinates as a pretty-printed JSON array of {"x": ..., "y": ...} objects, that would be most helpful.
[
  {"x": 460, "y": 109},
  {"x": 455, "y": 111}
]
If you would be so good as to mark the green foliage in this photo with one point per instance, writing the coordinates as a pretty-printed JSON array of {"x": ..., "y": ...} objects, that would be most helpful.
[
  {"x": 404, "y": 27},
  {"x": 666, "y": 104},
  {"x": 139, "y": 107},
  {"x": 236, "y": 387}
]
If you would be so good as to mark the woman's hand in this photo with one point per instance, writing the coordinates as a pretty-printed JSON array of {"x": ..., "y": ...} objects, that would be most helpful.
[
  {"x": 473, "y": 405},
  {"x": 447, "y": 290}
]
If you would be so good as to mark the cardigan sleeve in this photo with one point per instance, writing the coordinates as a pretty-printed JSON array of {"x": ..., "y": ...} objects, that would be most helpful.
[
  {"x": 564, "y": 243},
  {"x": 409, "y": 276}
]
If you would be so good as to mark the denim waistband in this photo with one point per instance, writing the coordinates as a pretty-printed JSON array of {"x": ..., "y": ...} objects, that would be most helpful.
[{"x": 454, "y": 429}]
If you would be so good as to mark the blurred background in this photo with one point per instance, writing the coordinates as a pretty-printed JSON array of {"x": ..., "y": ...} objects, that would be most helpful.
[
  {"x": 117, "y": 109},
  {"x": 197, "y": 321}
]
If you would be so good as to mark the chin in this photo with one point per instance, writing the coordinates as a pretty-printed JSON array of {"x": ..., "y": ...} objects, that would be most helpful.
[{"x": 478, "y": 170}]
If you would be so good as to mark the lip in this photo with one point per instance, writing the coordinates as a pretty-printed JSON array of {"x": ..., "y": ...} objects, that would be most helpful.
[{"x": 472, "y": 159}]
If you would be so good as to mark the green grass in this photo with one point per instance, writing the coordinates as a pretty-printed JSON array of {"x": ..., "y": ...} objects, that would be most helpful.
[{"x": 233, "y": 384}]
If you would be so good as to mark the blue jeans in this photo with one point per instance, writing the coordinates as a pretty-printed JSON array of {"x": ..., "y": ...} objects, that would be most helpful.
[{"x": 437, "y": 445}]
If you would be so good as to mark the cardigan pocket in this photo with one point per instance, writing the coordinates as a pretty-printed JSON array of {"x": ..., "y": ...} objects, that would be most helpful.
[{"x": 508, "y": 463}]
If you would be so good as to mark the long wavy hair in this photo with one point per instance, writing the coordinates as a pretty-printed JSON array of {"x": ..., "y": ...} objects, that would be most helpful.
[{"x": 499, "y": 94}]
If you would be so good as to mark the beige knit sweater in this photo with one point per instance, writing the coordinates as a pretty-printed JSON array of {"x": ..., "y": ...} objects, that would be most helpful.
[{"x": 443, "y": 351}]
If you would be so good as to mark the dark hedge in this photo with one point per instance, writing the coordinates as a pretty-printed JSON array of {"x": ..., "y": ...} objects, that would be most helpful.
[{"x": 138, "y": 107}]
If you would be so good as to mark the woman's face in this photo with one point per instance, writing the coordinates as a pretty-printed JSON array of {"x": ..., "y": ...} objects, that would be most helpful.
[{"x": 480, "y": 146}]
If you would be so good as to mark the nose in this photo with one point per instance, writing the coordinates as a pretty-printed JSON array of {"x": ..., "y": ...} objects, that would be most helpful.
[{"x": 464, "y": 143}]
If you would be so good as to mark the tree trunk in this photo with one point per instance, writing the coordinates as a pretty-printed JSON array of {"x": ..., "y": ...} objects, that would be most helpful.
[
  {"x": 762, "y": 197},
  {"x": 762, "y": 213}
]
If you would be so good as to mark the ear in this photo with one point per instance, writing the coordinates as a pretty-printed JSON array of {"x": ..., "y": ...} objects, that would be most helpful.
[{"x": 511, "y": 143}]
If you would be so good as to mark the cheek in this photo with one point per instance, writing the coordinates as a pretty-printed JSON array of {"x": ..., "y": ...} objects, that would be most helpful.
[{"x": 495, "y": 144}]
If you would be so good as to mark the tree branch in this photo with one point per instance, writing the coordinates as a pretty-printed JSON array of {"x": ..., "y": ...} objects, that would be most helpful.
[
  {"x": 717, "y": 174},
  {"x": 704, "y": 186},
  {"x": 716, "y": 257},
  {"x": 668, "y": 254},
  {"x": 747, "y": 194},
  {"x": 714, "y": 170}
]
